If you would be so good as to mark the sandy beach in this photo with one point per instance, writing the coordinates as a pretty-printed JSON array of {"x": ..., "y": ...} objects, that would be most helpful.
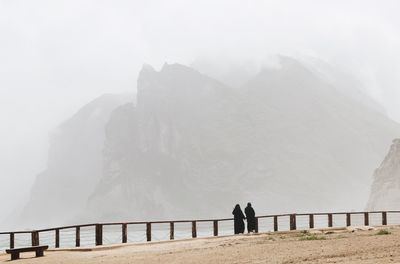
[{"x": 328, "y": 246}]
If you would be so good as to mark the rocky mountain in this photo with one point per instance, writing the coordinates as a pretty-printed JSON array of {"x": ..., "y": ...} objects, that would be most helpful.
[
  {"x": 74, "y": 165},
  {"x": 385, "y": 193},
  {"x": 167, "y": 153},
  {"x": 293, "y": 138},
  {"x": 287, "y": 140}
]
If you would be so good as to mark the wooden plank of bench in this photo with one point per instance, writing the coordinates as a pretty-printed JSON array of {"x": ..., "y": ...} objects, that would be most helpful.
[{"x": 15, "y": 252}]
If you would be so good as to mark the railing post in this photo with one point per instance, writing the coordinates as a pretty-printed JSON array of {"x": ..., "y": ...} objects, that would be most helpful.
[
  {"x": 99, "y": 234},
  {"x": 311, "y": 221},
  {"x": 12, "y": 240},
  {"x": 215, "y": 227},
  {"x": 78, "y": 236},
  {"x": 194, "y": 229},
  {"x": 124, "y": 233},
  {"x": 256, "y": 227},
  {"x": 384, "y": 218},
  {"x": 276, "y": 223},
  {"x": 171, "y": 230},
  {"x": 330, "y": 220},
  {"x": 366, "y": 219},
  {"x": 348, "y": 219},
  {"x": 35, "y": 238},
  {"x": 293, "y": 222},
  {"x": 148, "y": 231},
  {"x": 57, "y": 243}
]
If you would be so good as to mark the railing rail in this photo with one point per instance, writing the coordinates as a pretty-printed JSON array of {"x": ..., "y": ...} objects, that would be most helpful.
[{"x": 98, "y": 227}]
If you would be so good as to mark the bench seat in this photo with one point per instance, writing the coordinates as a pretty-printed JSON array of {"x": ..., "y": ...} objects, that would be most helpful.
[{"x": 16, "y": 251}]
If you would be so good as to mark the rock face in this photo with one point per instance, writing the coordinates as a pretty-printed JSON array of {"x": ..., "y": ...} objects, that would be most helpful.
[
  {"x": 385, "y": 194},
  {"x": 166, "y": 155},
  {"x": 287, "y": 140},
  {"x": 290, "y": 139},
  {"x": 74, "y": 165}
]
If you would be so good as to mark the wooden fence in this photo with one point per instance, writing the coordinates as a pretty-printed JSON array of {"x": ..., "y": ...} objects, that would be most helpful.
[{"x": 292, "y": 218}]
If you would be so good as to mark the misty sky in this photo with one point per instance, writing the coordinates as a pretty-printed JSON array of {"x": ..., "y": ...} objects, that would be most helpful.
[{"x": 57, "y": 55}]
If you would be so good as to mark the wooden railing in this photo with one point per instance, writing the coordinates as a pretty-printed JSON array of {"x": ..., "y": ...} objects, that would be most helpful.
[{"x": 98, "y": 228}]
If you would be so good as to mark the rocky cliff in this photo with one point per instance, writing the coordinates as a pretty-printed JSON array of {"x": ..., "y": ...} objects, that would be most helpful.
[
  {"x": 74, "y": 165},
  {"x": 385, "y": 194},
  {"x": 287, "y": 140}
]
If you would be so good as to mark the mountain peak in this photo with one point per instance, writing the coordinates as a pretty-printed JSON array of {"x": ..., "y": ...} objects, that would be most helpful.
[
  {"x": 148, "y": 67},
  {"x": 177, "y": 69}
]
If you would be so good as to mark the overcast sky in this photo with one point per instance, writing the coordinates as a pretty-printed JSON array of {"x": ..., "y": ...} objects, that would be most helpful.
[{"x": 57, "y": 55}]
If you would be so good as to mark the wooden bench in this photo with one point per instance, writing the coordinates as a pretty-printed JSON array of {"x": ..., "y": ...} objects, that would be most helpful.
[{"x": 16, "y": 251}]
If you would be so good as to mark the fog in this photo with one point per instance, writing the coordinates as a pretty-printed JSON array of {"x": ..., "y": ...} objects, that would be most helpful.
[{"x": 55, "y": 56}]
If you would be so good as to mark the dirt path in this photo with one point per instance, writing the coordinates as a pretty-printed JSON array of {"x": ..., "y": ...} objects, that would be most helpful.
[{"x": 294, "y": 247}]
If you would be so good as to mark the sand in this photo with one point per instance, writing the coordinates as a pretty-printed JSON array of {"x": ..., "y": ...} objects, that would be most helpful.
[{"x": 330, "y": 246}]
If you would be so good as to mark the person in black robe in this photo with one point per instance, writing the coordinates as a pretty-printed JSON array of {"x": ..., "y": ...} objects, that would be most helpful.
[
  {"x": 251, "y": 218},
  {"x": 238, "y": 217}
]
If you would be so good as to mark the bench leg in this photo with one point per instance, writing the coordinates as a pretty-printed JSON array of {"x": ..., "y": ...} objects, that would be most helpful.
[
  {"x": 14, "y": 255},
  {"x": 39, "y": 253}
]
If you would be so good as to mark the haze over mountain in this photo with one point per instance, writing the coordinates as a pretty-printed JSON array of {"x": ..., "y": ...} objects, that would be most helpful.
[
  {"x": 57, "y": 56},
  {"x": 74, "y": 165},
  {"x": 291, "y": 138}
]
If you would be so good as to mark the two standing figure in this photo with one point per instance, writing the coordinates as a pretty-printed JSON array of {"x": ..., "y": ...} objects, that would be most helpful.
[{"x": 239, "y": 219}]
